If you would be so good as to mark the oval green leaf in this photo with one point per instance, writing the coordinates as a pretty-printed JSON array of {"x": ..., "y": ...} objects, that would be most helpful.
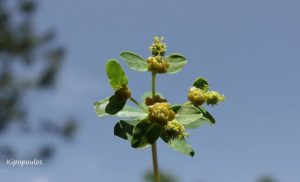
[
  {"x": 114, "y": 105},
  {"x": 145, "y": 133},
  {"x": 206, "y": 115},
  {"x": 134, "y": 61},
  {"x": 201, "y": 83},
  {"x": 124, "y": 129},
  {"x": 116, "y": 76},
  {"x": 190, "y": 117},
  {"x": 177, "y": 62},
  {"x": 127, "y": 112},
  {"x": 179, "y": 144}
]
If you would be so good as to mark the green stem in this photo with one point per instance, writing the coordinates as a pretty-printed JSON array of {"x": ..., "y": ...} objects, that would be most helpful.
[
  {"x": 155, "y": 163},
  {"x": 138, "y": 104},
  {"x": 153, "y": 83},
  {"x": 153, "y": 147}
]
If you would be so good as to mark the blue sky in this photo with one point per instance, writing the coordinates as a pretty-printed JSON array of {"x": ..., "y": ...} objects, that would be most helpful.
[{"x": 248, "y": 50}]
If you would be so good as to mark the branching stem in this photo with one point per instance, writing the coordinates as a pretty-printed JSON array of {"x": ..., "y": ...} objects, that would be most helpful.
[{"x": 138, "y": 104}]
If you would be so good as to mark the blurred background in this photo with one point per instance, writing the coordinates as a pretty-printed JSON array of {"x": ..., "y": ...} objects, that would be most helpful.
[{"x": 52, "y": 57}]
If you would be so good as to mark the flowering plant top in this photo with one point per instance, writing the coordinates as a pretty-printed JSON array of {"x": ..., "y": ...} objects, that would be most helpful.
[{"x": 156, "y": 117}]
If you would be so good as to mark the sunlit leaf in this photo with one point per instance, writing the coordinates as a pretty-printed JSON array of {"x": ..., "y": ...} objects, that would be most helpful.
[
  {"x": 179, "y": 144},
  {"x": 190, "y": 116},
  {"x": 206, "y": 115},
  {"x": 116, "y": 76},
  {"x": 127, "y": 112},
  {"x": 177, "y": 62},
  {"x": 134, "y": 61}
]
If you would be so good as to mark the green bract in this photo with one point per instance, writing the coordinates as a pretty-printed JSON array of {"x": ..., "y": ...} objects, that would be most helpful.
[{"x": 155, "y": 117}]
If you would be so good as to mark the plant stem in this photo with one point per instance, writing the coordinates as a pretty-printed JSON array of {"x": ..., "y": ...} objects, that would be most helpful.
[
  {"x": 153, "y": 83},
  {"x": 153, "y": 147},
  {"x": 155, "y": 163},
  {"x": 138, "y": 104}
]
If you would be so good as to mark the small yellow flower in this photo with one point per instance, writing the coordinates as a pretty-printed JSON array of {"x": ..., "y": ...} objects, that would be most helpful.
[
  {"x": 213, "y": 98},
  {"x": 196, "y": 96},
  {"x": 161, "y": 113},
  {"x": 158, "y": 47},
  {"x": 123, "y": 93},
  {"x": 175, "y": 129},
  {"x": 157, "y": 64}
]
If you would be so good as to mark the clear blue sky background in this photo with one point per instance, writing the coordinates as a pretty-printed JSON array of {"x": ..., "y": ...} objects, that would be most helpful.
[{"x": 248, "y": 50}]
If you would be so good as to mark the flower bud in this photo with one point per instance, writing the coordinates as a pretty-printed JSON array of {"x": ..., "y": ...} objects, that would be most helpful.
[
  {"x": 196, "y": 96},
  {"x": 157, "y": 64},
  {"x": 161, "y": 113},
  {"x": 175, "y": 129},
  {"x": 158, "y": 47},
  {"x": 156, "y": 99},
  {"x": 123, "y": 93},
  {"x": 213, "y": 98}
]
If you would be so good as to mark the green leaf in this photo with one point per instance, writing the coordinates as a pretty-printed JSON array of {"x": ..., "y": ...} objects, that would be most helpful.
[
  {"x": 145, "y": 133},
  {"x": 190, "y": 116},
  {"x": 201, "y": 83},
  {"x": 179, "y": 144},
  {"x": 175, "y": 108},
  {"x": 134, "y": 61},
  {"x": 177, "y": 62},
  {"x": 100, "y": 107},
  {"x": 124, "y": 129},
  {"x": 114, "y": 105},
  {"x": 127, "y": 112},
  {"x": 206, "y": 115},
  {"x": 116, "y": 76}
]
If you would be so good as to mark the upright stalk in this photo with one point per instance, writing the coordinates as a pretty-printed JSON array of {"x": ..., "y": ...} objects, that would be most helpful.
[
  {"x": 153, "y": 83},
  {"x": 153, "y": 147},
  {"x": 155, "y": 163}
]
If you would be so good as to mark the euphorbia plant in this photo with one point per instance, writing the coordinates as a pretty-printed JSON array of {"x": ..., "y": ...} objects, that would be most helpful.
[{"x": 155, "y": 117}]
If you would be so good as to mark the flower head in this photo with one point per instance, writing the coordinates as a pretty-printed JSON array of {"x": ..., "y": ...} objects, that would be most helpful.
[
  {"x": 123, "y": 93},
  {"x": 213, "y": 98},
  {"x": 175, "y": 129},
  {"x": 161, "y": 113},
  {"x": 158, "y": 47},
  {"x": 157, "y": 64},
  {"x": 196, "y": 96}
]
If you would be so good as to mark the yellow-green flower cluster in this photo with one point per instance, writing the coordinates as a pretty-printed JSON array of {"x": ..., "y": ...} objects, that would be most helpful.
[
  {"x": 213, "y": 98},
  {"x": 157, "y": 64},
  {"x": 175, "y": 129},
  {"x": 123, "y": 93},
  {"x": 198, "y": 96},
  {"x": 161, "y": 113},
  {"x": 158, "y": 47}
]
